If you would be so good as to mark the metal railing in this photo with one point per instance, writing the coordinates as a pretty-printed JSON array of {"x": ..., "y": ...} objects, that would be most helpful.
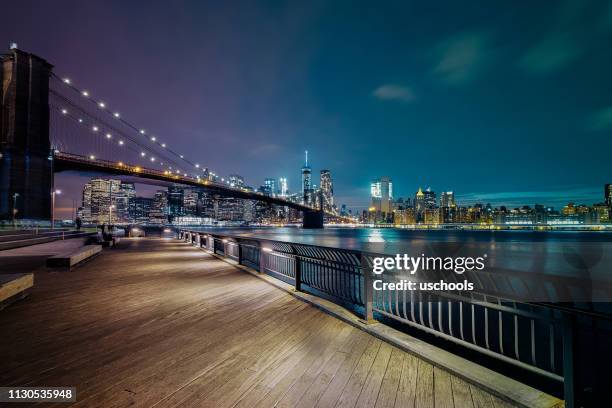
[{"x": 534, "y": 337}]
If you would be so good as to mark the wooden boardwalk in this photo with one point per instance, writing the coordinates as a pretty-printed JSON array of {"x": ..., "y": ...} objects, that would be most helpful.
[{"x": 162, "y": 324}]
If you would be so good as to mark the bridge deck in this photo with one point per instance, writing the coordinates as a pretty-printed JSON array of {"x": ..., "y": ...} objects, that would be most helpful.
[{"x": 159, "y": 323}]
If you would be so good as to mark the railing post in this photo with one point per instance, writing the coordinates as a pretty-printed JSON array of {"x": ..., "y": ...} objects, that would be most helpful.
[
  {"x": 214, "y": 244},
  {"x": 262, "y": 264},
  {"x": 368, "y": 292},
  {"x": 569, "y": 360},
  {"x": 298, "y": 269},
  {"x": 239, "y": 252}
]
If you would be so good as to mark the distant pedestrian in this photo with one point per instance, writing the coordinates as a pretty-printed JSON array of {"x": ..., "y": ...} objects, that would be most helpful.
[{"x": 78, "y": 223}]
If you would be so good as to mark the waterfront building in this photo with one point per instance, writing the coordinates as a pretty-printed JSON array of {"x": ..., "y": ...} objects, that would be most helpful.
[
  {"x": 190, "y": 202},
  {"x": 608, "y": 195},
  {"x": 140, "y": 209},
  {"x": 447, "y": 199},
  {"x": 236, "y": 180},
  {"x": 431, "y": 216},
  {"x": 159, "y": 208},
  {"x": 306, "y": 182},
  {"x": 175, "y": 202},
  {"x": 271, "y": 186},
  {"x": 327, "y": 191},
  {"x": 102, "y": 198},
  {"x": 429, "y": 198},
  {"x": 283, "y": 187},
  {"x": 419, "y": 203},
  {"x": 381, "y": 191},
  {"x": 126, "y": 193}
]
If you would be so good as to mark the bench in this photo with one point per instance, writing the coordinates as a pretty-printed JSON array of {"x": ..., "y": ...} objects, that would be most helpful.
[
  {"x": 70, "y": 259},
  {"x": 14, "y": 287}
]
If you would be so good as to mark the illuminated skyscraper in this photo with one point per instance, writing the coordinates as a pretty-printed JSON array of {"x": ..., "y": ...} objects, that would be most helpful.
[
  {"x": 382, "y": 196},
  {"x": 608, "y": 194},
  {"x": 236, "y": 180},
  {"x": 327, "y": 190},
  {"x": 307, "y": 182},
  {"x": 447, "y": 199},
  {"x": 270, "y": 184},
  {"x": 284, "y": 190}
]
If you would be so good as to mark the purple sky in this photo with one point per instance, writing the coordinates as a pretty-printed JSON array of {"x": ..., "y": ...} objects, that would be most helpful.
[{"x": 506, "y": 103}]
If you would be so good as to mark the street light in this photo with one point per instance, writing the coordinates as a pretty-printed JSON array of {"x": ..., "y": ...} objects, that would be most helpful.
[
  {"x": 53, "y": 193},
  {"x": 15, "y": 195}
]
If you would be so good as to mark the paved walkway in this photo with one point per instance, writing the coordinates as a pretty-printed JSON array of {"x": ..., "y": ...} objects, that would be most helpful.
[{"x": 162, "y": 324}]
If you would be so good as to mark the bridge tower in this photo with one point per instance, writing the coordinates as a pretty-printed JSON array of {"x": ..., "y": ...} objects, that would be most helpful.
[{"x": 26, "y": 167}]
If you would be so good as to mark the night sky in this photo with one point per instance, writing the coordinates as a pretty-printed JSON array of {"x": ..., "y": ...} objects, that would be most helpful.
[{"x": 504, "y": 102}]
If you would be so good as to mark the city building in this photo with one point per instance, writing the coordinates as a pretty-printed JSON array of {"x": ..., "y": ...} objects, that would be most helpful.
[
  {"x": 270, "y": 186},
  {"x": 284, "y": 189},
  {"x": 447, "y": 199},
  {"x": 140, "y": 209},
  {"x": 381, "y": 191},
  {"x": 175, "y": 202},
  {"x": 106, "y": 201},
  {"x": 306, "y": 182},
  {"x": 236, "y": 180},
  {"x": 327, "y": 191},
  {"x": 159, "y": 208}
]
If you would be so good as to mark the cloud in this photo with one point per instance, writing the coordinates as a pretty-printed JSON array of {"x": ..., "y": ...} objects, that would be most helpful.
[
  {"x": 460, "y": 57},
  {"x": 556, "y": 197},
  {"x": 552, "y": 53},
  {"x": 601, "y": 120},
  {"x": 391, "y": 92},
  {"x": 268, "y": 148}
]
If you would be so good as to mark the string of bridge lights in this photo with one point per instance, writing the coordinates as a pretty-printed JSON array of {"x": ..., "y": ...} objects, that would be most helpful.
[{"x": 150, "y": 138}]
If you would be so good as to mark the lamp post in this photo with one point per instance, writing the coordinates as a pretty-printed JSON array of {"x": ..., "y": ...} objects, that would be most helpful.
[
  {"x": 15, "y": 195},
  {"x": 53, "y": 193}
]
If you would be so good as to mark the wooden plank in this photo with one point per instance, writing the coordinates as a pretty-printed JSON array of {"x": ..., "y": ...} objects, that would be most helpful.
[
  {"x": 424, "y": 386},
  {"x": 462, "y": 396},
  {"x": 443, "y": 391},
  {"x": 369, "y": 392},
  {"x": 406, "y": 392},
  {"x": 353, "y": 388},
  {"x": 481, "y": 399},
  {"x": 390, "y": 383},
  {"x": 334, "y": 390}
]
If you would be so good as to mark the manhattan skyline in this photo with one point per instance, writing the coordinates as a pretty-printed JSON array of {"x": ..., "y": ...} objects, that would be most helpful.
[{"x": 453, "y": 97}]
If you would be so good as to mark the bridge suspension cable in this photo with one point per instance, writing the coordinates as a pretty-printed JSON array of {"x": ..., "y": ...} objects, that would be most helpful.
[{"x": 151, "y": 139}]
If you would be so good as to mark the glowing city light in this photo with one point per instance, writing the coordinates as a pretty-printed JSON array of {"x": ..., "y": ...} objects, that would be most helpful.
[
  {"x": 102, "y": 105},
  {"x": 108, "y": 135},
  {"x": 95, "y": 128},
  {"x": 143, "y": 154},
  {"x": 85, "y": 93},
  {"x": 67, "y": 81},
  {"x": 153, "y": 138},
  {"x": 116, "y": 114},
  {"x": 197, "y": 166},
  {"x": 142, "y": 131},
  {"x": 163, "y": 145},
  {"x": 92, "y": 157},
  {"x": 64, "y": 111},
  {"x": 121, "y": 143},
  {"x": 80, "y": 120}
]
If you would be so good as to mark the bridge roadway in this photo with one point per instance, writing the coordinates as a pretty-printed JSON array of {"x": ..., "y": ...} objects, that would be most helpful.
[
  {"x": 68, "y": 161},
  {"x": 159, "y": 323}
]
